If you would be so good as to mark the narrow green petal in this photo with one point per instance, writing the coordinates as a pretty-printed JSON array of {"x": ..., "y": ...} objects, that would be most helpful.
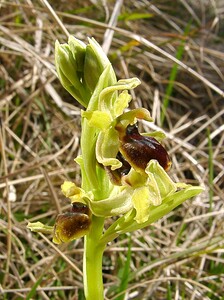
[
  {"x": 69, "y": 189},
  {"x": 159, "y": 135},
  {"x": 121, "y": 103},
  {"x": 106, "y": 96},
  {"x": 131, "y": 117},
  {"x": 40, "y": 227}
]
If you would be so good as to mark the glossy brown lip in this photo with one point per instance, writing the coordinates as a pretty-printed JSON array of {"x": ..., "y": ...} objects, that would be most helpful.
[{"x": 138, "y": 150}]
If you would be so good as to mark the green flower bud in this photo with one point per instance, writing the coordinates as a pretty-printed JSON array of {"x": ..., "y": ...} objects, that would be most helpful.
[
  {"x": 69, "y": 76},
  {"x": 79, "y": 67},
  {"x": 96, "y": 62}
]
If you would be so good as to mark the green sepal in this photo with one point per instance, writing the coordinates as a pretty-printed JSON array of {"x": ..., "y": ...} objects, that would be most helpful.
[
  {"x": 88, "y": 144},
  {"x": 40, "y": 227},
  {"x": 140, "y": 200},
  {"x": 156, "y": 212},
  {"x": 165, "y": 184},
  {"x": 115, "y": 205},
  {"x": 131, "y": 117}
]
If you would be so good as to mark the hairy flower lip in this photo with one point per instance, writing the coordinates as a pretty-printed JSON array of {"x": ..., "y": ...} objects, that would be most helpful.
[{"x": 73, "y": 224}]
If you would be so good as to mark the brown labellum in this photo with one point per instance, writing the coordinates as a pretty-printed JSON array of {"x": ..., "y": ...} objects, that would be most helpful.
[
  {"x": 138, "y": 150},
  {"x": 72, "y": 225}
]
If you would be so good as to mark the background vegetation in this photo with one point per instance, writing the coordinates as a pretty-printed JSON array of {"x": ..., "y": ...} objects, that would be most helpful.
[{"x": 182, "y": 255}]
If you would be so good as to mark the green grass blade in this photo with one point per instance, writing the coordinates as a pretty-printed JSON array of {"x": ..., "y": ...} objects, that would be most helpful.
[
  {"x": 169, "y": 292},
  {"x": 32, "y": 292},
  {"x": 210, "y": 169},
  {"x": 135, "y": 16},
  {"x": 173, "y": 75}
]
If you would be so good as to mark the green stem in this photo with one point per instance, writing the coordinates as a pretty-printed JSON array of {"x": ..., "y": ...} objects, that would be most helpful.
[
  {"x": 92, "y": 180},
  {"x": 92, "y": 262}
]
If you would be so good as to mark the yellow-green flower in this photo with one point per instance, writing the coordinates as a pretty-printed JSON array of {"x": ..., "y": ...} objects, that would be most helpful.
[{"x": 124, "y": 172}]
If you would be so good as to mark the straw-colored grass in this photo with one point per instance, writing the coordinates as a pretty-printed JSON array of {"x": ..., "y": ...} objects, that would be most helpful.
[{"x": 179, "y": 257}]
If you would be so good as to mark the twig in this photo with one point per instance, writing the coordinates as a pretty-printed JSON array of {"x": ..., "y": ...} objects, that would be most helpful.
[{"x": 108, "y": 35}]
